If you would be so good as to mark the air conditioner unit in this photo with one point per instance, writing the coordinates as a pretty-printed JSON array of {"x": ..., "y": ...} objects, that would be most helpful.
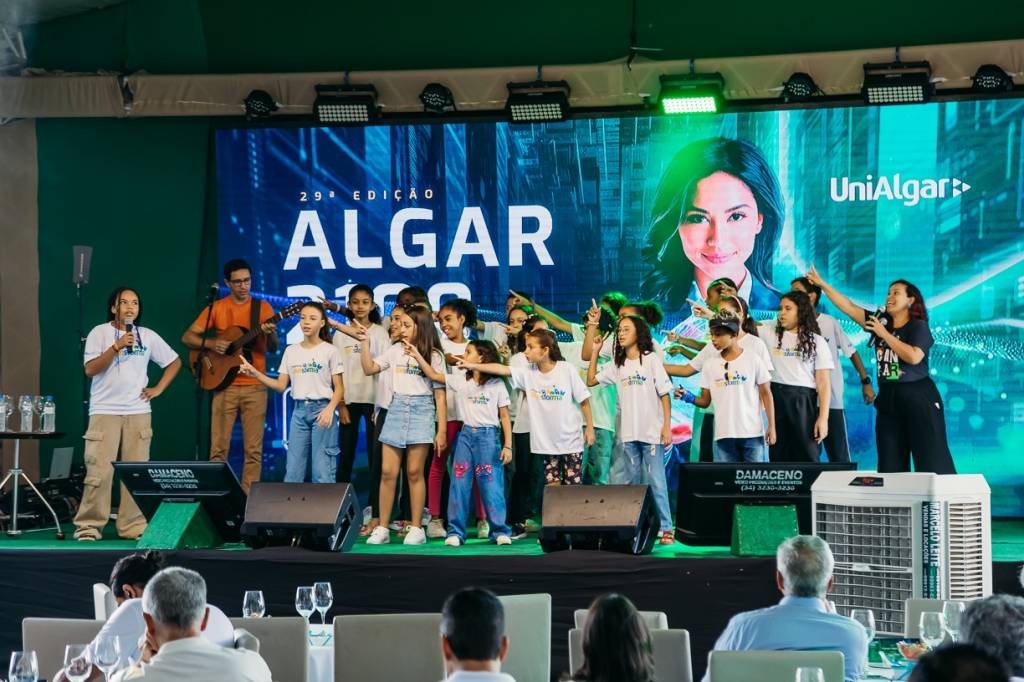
[{"x": 897, "y": 536}]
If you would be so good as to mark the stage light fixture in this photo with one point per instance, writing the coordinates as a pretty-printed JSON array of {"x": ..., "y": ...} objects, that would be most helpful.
[
  {"x": 692, "y": 93},
  {"x": 800, "y": 87},
  {"x": 436, "y": 97},
  {"x": 991, "y": 78},
  {"x": 897, "y": 82},
  {"x": 538, "y": 101},
  {"x": 345, "y": 104},
  {"x": 259, "y": 104}
]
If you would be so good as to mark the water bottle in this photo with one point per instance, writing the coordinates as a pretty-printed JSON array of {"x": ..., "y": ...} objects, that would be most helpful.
[
  {"x": 25, "y": 411},
  {"x": 49, "y": 421}
]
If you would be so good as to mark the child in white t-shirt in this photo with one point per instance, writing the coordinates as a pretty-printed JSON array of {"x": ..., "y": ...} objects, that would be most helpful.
[
  {"x": 555, "y": 397},
  {"x": 801, "y": 377},
  {"x": 735, "y": 380},
  {"x": 313, "y": 367},
  {"x": 483, "y": 403},
  {"x": 645, "y": 421}
]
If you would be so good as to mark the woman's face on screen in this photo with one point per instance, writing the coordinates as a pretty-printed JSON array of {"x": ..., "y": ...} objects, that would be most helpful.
[{"x": 719, "y": 227}]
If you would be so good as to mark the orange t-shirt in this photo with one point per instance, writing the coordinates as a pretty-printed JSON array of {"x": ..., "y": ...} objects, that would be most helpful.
[{"x": 227, "y": 313}]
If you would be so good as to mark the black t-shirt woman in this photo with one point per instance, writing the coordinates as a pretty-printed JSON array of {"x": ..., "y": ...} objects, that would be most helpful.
[{"x": 911, "y": 420}]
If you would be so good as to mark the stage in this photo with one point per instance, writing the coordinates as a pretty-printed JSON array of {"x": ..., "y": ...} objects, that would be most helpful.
[{"x": 699, "y": 588}]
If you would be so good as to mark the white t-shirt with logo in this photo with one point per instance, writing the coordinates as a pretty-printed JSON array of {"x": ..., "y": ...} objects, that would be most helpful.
[
  {"x": 553, "y": 399},
  {"x": 310, "y": 370},
  {"x": 360, "y": 388},
  {"x": 749, "y": 342},
  {"x": 837, "y": 341},
  {"x": 457, "y": 349},
  {"x": 495, "y": 332},
  {"x": 639, "y": 384},
  {"x": 602, "y": 397},
  {"x": 789, "y": 366},
  {"x": 477, "y": 404},
  {"x": 407, "y": 377},
  {"x": 734, "y": 393},
  {"x": 118, "y": 388}
]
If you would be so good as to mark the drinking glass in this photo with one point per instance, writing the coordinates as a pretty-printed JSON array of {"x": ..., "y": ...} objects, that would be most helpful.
[
  {"x": 304, "y": 603},
  {"x": 866, "y": 618},
  {"x": 953, "y": 613},
  {"x": 810, "y": 675},
  {"x": 106, "y": 654},
  {"x": 933, "y": 628},
  {"x": 322, "y": 599},
  {"x": 253, "y": 605},
  {"x": 77, "y": 665},
  {"x": 24, "y": 667}
]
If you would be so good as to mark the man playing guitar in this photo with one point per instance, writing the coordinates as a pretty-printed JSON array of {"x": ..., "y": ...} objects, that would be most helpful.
[{"x": 245, "y": 396}]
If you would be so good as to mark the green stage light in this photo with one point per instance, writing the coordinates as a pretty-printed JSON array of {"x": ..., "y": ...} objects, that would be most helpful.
[{"x": 692, "y": 93}]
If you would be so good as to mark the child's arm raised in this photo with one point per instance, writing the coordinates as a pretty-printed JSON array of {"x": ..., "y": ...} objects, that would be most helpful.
[
  {"x": 365, "y": 359},
  {"x": 495, "y": 368},
  {"x": 428, "y": 369},
  {"x": 279, "y": 384}
]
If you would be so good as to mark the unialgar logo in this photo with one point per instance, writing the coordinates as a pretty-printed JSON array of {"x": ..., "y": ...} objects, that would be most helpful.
[{"x": 910, "y": 191}]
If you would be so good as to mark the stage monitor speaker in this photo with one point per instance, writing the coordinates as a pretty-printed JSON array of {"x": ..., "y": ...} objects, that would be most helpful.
[
  {"x": 616, "y": 518},
  {"x": 320, "y": 516}
]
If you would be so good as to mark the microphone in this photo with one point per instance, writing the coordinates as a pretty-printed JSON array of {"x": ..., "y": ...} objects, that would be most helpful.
[
  {"x": 129, "y": 328},
  {"x": 213, "y": 291}
]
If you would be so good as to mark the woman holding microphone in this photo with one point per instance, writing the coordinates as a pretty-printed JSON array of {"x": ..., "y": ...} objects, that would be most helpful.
[{"x": 910, "y": 419}]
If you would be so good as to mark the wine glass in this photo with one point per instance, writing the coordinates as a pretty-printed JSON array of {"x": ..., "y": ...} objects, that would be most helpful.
[
  {"x": 77, "y": 665},
  {"x": 810, "y": 675},
  {"x": 304, "y": 603},
  {"x": 953, "y": 613},
  {"x": 253, "y": 605},
  {"x": 106, "y": 654},
  {"x": 933, "y": 628},
  {"x": 866, "y": 618},
  {"x": 24, "y": 667},
  {"x": 322, "y": 599}
]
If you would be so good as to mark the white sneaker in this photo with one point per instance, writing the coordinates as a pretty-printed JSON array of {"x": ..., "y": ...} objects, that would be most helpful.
[
  {"x": 379, "y": 536},
  {"x": 483, "y": 529},
  {"x": 435, "y": 529},
  {"x": 452, "y": 541},
  {"x": 415, "y": 536},
  {"x": 503, "y": 540}
]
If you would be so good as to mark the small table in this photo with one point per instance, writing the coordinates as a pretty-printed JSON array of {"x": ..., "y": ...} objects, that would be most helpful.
[{"x": 16, "y": 473}]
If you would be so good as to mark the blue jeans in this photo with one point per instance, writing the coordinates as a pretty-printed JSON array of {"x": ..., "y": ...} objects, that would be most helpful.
[
  {"x": 644, "y": 463},
  {"x": 304, "y": 437},
  {"x": 477, "y": 456},
  {"x": 597, "y": 457},
  {"x": 741, "y": 450}
]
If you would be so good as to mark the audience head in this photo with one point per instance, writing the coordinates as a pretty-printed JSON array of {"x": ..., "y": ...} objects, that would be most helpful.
[
  {"x": 131, "y": 573},
  {"x": 616, "y": 643},
  {"x": 473, "y": 630},
  {"x": 995, "y": 625},
  {"x": 958, "y": 663},
  {"x": 804, "y": 566},
  {"x": 174, "y": 604}
]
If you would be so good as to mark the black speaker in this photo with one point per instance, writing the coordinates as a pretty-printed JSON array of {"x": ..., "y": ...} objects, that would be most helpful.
[
  {"x": 318, "y": 516},
  {"x": 616, "y": 518}
]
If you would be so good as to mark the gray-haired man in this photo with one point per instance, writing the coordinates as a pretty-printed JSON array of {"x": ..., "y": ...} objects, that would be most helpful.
[
  {"x": 996, "y": 626},
  {"x": 802, "y": 620},
  {"x": 174, "y": 608}
]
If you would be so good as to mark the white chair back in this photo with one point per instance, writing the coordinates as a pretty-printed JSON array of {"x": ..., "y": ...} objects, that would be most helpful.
[
  {"x": 656, "y": 620},
  {"x": 103, "y": 602},
  {"x": 528, "y": 626},
  {"x": 48, "y": 637},
  {"x": 772, "y": 666},
  {"x": 912, "y": 610},
  {"x": 388, "y": 647},
  {"x": 672, "y": 662},
  {"x": 282, "y": 642}
]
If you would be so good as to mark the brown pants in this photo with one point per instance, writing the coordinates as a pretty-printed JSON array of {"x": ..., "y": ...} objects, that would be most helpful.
[
  {"x": 106, "y": 433},
  {"x": 250, "y": 402}
]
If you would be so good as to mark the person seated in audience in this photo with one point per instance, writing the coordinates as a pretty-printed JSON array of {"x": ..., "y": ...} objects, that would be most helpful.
[
  {"x": 995, "y": 625},
  {"x": 174, "y": 606},
  {"x": 616, "y": 644},
  {"x": 473, "y": 640},
  {"x": 803, "y": 620},
  {"x": 127, "y": 581},
  {"x": 958, "y": 663}
]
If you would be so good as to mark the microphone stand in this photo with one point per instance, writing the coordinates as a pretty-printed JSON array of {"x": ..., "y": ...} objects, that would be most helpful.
[{"x": 211, "y": 296}]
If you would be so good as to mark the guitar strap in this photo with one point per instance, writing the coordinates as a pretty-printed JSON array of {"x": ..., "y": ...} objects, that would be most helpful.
[{"x": 254, "y": 323}]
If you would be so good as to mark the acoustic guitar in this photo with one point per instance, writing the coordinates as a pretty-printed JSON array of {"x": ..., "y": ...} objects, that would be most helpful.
[{"x": 214, "y": 371}]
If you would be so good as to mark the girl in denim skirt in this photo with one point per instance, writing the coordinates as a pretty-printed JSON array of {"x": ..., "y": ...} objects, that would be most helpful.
[
  {"x": 314, "y": 368},
  {"x": 416, "y": 416}
]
